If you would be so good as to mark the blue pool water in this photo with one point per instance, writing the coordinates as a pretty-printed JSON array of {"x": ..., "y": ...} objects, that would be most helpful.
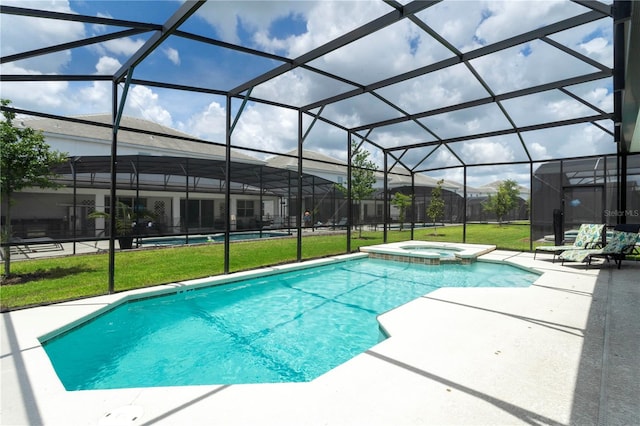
[
  {"x": 212, "y": 238},
  {"x": 288, "y": 327},
  {"x": 440, "y": 251}
]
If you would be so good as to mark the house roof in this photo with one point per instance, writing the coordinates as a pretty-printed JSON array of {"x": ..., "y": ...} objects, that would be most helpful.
[
  {"x": 312, "y": 161},
  {"x": 144, "y": 135},
  {"x": 492, "y": 188},
  {"x": 317, "y": 162},
  {"x": 177, "y": 146},
  {"x": 245, "y": 177}
]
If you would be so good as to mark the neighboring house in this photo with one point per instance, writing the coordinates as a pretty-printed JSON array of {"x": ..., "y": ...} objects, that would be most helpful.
[
  {"x": 330, "y": 207},
  {"x": 476, "y": 196},
  {"x": 492, "y": 188},
  {"x": 178, "y": 206},
  {"x": 182, "y": 181}
]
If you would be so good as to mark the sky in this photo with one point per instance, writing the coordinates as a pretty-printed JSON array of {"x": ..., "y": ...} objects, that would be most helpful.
[{"x": 291, "y": 28}]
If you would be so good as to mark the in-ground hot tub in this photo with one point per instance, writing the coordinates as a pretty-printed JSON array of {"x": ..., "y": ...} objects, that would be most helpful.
[{"x": 428, "y": 252}]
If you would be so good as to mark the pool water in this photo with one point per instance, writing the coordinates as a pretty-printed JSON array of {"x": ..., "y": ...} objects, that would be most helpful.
[
  {"x": 439, "y": 251},
  {"x": 248, "y": 235},
  {"x": 212, "y": 238},
  {"x": 288, "y": 327}
]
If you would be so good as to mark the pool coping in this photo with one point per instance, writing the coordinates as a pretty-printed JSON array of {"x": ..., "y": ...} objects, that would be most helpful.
[{"x": 455, "y": 356}]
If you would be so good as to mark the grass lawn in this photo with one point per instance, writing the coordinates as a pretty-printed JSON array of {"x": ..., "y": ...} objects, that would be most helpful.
[{"x": 64, "y": 278}]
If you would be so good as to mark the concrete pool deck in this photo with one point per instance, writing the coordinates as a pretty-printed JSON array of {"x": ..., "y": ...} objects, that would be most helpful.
[{"x": 565, "y": 351}]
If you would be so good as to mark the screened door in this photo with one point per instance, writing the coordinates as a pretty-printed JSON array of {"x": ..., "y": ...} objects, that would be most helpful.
[{"x": 583, "y": 204}]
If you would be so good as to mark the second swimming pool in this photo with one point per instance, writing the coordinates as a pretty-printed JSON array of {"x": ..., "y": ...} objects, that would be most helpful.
[
  {"x": 287, "y": 327},
  {"x": 215, "y": 238}
]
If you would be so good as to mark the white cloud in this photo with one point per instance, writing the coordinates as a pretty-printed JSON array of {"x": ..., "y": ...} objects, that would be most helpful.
[
  {"x": 273, "y": 45},
  {"x": 21, "y": 34},
  {"x": 230, "y": 18},
  {"x": 595, "y": 45},
  {"x": 442, "y": 157},
  {"x": 209, "y": 124},
  {"x": 569, "y": 141},
  {"x": 124, "y": 46},
  {"x": 259, "y": 126},
  {"x": 452, "y": 20},
  {"x": 482, "y": 152},
  {"x": 143, "y": 102},
  {"x": 173, "y": 55},
  {"x": 267, "y": 128},
  {"x": 406, "y": 48},
  {"x": 483, "y": 175},
  {"x": 60, "y": 97},
  {"x": 33, "y": 95},
  {"x": 291, "y": 87},
  {"x": 100, "y": 28},
  {"x": 601, "y": 97},
  {"x": 537, "y": 151},
  {"x": 435, "y": 90},
  {"x": 564, "y": 109},
  {"x": 508, "y": 18},
  {"x": 594, "y": 39},
  {"x": 327, "y": 20},
  {"x": 107, "y": 65},
  {"x": 591, "y": 140},
  {"x": 95, "y": 98},
  {"x": 324, "y": 20}
]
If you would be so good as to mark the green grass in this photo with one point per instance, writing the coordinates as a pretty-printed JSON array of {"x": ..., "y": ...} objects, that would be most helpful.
[{"x": 65, "y": 278}]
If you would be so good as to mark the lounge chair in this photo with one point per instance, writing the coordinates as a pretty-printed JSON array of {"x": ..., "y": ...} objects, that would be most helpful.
[
  {"x": 620, "y": 244},
  {"x": 589, "y": 237},
  {"x": 277, "y": 223},
  {"x": 342, "y": 223},
  {"x": 630, "y": 227},
  {"x": 41, "y": 244}
]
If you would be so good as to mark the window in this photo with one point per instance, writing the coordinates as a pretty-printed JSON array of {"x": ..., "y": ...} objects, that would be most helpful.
[
  {"x": 140, "y": 206},
  {"x": 197, "y": 213},
  {"x": 245, "y": 208}
]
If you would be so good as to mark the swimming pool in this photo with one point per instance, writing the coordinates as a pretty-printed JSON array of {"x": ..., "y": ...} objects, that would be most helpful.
[
  {"x": 285, "y": 327},
  {"x": 234, "y": 236}
]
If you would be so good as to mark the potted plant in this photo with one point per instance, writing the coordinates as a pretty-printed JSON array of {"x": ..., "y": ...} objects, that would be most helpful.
[{"x": 125, "y": 222}]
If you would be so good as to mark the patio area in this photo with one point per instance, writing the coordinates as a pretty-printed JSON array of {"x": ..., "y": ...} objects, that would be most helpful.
[{"x": 561, "y": 352}]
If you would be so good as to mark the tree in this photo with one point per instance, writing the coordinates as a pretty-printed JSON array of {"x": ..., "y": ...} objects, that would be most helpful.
[
  {"x": 435, "y": 210},
  {"x": 401, "y": 201},
  {"x": 26, "y": 161},
  {"x": 504, "y": 201},
  {"x": 363, "y": 177}
]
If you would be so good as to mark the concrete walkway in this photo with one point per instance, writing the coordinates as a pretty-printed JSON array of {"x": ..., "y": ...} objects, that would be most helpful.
[{"x": 565, "y": 351}]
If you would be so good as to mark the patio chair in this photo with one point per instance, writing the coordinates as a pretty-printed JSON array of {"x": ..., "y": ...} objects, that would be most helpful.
[
  {"x": 589, "y": 237},
  {"x": 630, "y": 227},
  {"x": 620, "y": 244},
  {"x": 342, "y": 223},
  {"x": 276, "y": 223}
]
